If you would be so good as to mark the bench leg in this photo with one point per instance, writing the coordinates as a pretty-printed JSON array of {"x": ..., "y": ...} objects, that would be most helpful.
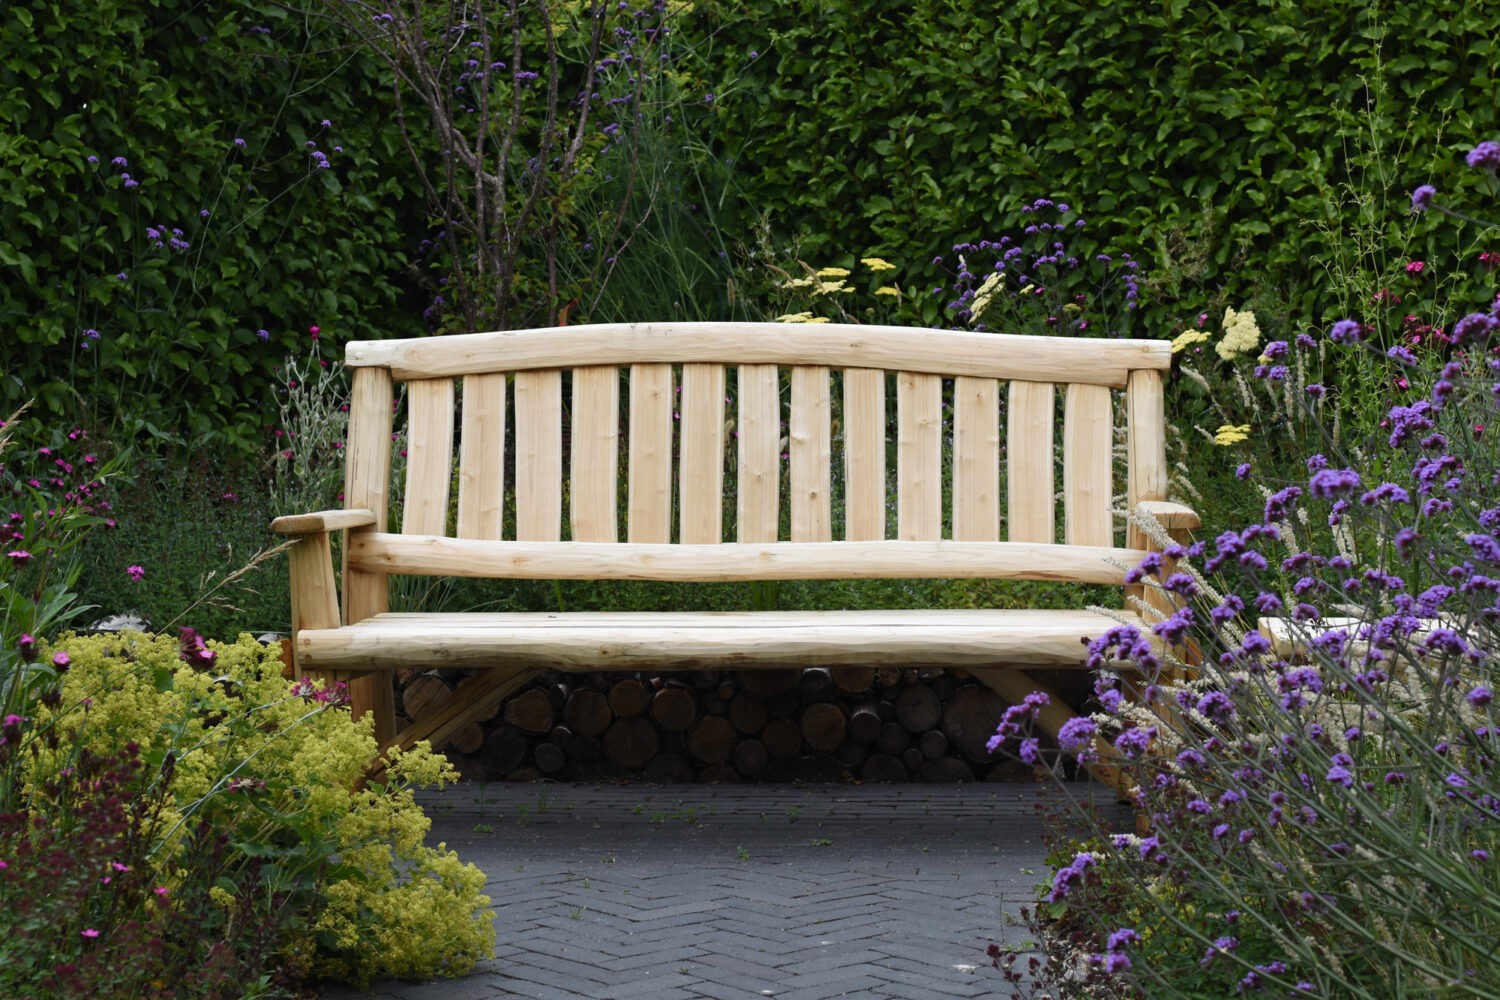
[{"x": 314, "y": 600}]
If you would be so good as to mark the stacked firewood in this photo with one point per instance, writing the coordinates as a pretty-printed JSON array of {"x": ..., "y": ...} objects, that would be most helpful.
[{"x": 811, "y": 725}]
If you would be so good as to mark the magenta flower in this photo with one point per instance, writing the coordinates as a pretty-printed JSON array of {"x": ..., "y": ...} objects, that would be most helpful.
[
  {"x": 61, "y": 660},
  {"x": 89, "y": 932},
  {"x": 136, "y": 573},
  {"x": 19, "y": 556}
]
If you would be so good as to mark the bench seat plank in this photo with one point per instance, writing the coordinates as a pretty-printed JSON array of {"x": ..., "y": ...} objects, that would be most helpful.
[{"x": 706, "y": 640}]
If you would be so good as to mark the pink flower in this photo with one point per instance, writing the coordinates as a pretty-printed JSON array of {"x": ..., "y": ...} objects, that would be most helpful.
[
  {"x": 61, "y": 660},
  {"x": 136, "y": 573},
  {"x": 19, "y": 557},
  {"x": 1415, "y": 267},
  {"x": 313, "y": 332},
  {"x": 89, "y": 932}
]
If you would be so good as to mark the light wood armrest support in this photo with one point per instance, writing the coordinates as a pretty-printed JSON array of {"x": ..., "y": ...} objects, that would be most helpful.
[
  {"x": 1171, "y": 516},
  {"x": 322, "y": 520}
]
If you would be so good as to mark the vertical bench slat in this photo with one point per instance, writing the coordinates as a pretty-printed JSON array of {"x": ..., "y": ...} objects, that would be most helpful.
[
  {"x": 595, "y": 435},
  {"x": 700, "y": 477},
  {"x": 864, "y": 454},
  {"x": 1145, "y": 424},
  {"x": 810, "y": 455},
  {"x": 367, "y": 478},
  {"x": 649, "y": 517},
  {"x": 976, "y": 459},
  {"x": 481, "y": 458},
  {"x": 758, "y": 478},
  {"x": 919, "y": 456},
  {"x": 429, "y": 461},
  {"x": 1030, "y": 462},
  {"x": 1088, "y": 458},
  {"x": 538, "y": 456}
]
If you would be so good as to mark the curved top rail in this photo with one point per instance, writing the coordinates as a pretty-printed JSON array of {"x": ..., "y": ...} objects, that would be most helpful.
[{"x": 837, "y": 345}]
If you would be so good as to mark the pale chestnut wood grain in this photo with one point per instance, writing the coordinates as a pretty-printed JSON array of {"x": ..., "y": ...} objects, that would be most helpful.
[
  {"x": 538, "y": 455},
  {"x": 758, "y": 502},
  {"x": 481, "y": 457},
  {"x": 919, "y": 457},
  {"x": 429, "y": 457},
  {"x": 976, "y": 459},
  {"x": 438, "y": 556},
  {"x": 595, "y": 435},
  {"x": 834, "y": 345},
  {"x": 701, "y": 476},
  {"x": 1028, "y": 445},
  {"x": 367, "y": 476},
  {"x": 864, "y": 454},
  {"x": 322, "y": 520},
  {"x": 649, "y": 501},
  {"x": 810, "y": 455},
  {"x": 1088, "y": 439},
  {"x": 604, "y": 641}
]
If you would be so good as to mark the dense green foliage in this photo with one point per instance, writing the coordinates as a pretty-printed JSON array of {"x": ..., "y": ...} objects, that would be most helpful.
[
  {"x": 135, "y": 289},
  {"x": 902, "y": 129}
]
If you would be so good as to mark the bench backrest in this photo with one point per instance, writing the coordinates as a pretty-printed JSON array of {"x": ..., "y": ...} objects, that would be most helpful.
[{"x": 692, "y": 399}]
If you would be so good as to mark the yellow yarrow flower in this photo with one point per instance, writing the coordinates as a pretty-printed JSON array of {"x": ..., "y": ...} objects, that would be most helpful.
[
  {"x": 1241, "y": 335},
  {"x": 876, "y": 264},
  {"x": 799, "y": 282},
  {"x": 1229, "y": 434},
  {"x": 888, "y": 290},
  {"x": 818, "y": 319},
  {"x": 830, "y": 287},
  {"x": 801, "y": 317},
  {"x": 833, "y": 272},
  {"x": 1188, "y": 339}
]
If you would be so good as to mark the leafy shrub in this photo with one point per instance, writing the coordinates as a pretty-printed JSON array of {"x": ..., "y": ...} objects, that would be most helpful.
[
  {"x": 877, "y": 130},
  {"x": 276, "y": 768},
  {"x": 188, "y": 186}
]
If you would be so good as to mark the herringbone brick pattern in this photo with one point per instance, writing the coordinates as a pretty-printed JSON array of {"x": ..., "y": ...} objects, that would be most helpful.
[{"x": 734, "y": 892}]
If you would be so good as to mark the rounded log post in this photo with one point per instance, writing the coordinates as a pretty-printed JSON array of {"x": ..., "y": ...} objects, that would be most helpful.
[
  {"x": 748, "y": 713},
  {"x": 750, "y": 757},
  {"x": 549, "y": 758},
  {"x": 893, "y": 739},
  {"x": 918, "y": 709},
  {"x": 767, "y": 684},
  {"x": 823, "y": 726},
  {"x": 630, "y": 742},
  {"x": 853, "y": 680},
  {"x": 674, "y": 708},
  {"x": 711, "y": 739},
  {"x": 783, "y": 739},
  {"x": 970, "y": 718},
  {"x": 864, "y": 722},
  {"x": 587, "y": 713},
  {"x": 628, "y": 697},
  {"x": 933, "y": 744},
  {"x": 530, "y": 711}
]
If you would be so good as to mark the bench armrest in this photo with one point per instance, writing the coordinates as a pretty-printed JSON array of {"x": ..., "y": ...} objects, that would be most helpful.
[
  {"x": 323, "y": 520},
  {"x": 1171, "y": 516}
]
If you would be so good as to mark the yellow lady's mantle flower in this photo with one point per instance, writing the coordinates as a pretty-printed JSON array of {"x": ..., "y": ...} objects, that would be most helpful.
[
  {"x": 1230, "y": 434},
  {"x": 1241, "y": 335},
  {"x": 876, "y": 264}
]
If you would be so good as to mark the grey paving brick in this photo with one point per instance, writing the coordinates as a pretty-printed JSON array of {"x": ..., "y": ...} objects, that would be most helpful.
[{"x": 598, "y": 900}]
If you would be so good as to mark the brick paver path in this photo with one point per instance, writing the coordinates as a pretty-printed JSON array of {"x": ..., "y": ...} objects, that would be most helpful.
[{"x": 741, "y": 891}]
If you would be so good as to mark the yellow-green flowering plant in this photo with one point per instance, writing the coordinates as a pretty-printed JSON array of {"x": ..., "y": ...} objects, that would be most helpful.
[{"x": 275, "y": 769}]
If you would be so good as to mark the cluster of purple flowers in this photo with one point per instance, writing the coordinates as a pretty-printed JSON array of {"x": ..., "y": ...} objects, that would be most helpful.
[
  {"x": 1273, "y": 778},
  {"x": 1044, "y": 285}
]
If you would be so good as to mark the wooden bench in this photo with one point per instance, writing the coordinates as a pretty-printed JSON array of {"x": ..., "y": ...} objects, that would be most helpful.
[{"x": 974, "y": 415}]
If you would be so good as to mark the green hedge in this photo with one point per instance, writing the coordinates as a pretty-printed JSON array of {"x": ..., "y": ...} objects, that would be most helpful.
[
  {"x": 901, "y": 129},
  {"x": 168, "y": 88}
]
